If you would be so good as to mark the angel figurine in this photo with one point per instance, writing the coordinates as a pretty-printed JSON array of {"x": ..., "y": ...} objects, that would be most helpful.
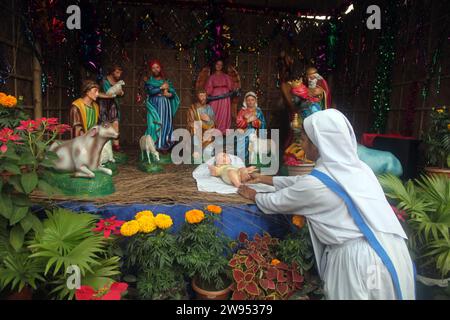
[{"x": 223, "y": 91}]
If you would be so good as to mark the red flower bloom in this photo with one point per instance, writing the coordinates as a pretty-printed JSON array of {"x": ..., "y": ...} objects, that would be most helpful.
[
  {"x": 401, "y": 214},
  {"x": 59, "y": 128},
  {"x": 113, "y": 293},
  {"x": 28, "y": 125},
  {"x": 108, "y": 225},
  {"x": 6, "y": 135}
]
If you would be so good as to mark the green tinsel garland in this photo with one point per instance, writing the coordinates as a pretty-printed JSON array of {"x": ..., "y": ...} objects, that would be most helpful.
[{"x": 382, "y": 87}]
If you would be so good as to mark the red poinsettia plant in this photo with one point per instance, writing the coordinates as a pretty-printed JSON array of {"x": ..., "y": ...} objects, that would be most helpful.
[
  {"x": 109, "y": 226},
  {"x": 113, "y": 292},
  {"x": 7, "y": 136},
  {"x": 25, "y": 157},
  {"x": 258, "y": 275}
]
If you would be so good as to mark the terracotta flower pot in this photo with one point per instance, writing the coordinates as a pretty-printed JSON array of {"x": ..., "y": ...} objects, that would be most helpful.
[
  {"x": 25, "y": 294},
  {"x": 203, "y": 294},
  {"x": 436, "y": 170}
]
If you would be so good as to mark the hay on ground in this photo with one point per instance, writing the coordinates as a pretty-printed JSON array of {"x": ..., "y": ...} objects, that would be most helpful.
[{"x": 173, "y": 186}]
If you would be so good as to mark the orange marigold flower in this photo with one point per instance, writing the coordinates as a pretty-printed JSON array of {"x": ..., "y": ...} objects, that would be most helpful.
[
  {"x": 194, "y": 216},
  {"x": 275, "y": 262},
  {"x": 214, "y": 209},
  {"x": 299, "y": 221}
]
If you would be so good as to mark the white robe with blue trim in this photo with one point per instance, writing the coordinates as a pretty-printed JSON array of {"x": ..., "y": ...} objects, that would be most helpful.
[
  {"x": 349, "y": 267},
  {"x": 348, "y": 264}
]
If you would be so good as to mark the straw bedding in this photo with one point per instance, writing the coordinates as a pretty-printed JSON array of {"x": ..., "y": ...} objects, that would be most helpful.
[{"x": 173, "y": 186}]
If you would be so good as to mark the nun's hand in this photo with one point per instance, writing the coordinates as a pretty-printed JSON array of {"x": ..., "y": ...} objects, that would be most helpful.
[
  {"x": 254, "y": 178},
  {"x": 247, "y": 192}
]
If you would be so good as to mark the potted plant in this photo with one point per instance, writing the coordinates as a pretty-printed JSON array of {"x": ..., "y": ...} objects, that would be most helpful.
[
  {"x": 67, "y": 241},
  {"x": 437, "y": 140},
  {"x": 259, "y": 275},
  {"x": 150, "y": 257},
  {"x": 297, "y": 248},
  {"x": 11, "y": 111},
  {"x": 21, "y": 273},
  {"x": 18, "y": 273},
  {"x": 24, "y": 156},
  {"x": 204, "y": 254},
  {"x": 426, "y": 202}
]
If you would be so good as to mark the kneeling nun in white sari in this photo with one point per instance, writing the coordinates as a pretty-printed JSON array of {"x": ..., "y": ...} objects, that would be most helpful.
[{"x": 359, "y": 244}]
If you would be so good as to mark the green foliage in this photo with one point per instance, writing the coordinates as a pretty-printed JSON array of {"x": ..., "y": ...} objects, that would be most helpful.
[
  {"x": 103, "y": 274},
  {"x": 19, "y": 270},
  {"x": 438, "y": 138},
  {"x": 427, "y": 202},
  {"x": 205, "y": 252},
  {"x": 152, "y": 257},
  {"x": 11, "y": 117},
  {"x": 161, "y": 284},
  {"x": 297, "y": 248},
  {"x": 21, "y": 173},
  {"x": 149, "y": 251},
  {"x": 67, "y": 240}
]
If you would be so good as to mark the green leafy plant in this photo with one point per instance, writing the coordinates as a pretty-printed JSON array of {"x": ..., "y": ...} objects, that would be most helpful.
[
  {"x": 152, "y": 257},
  {"x": 10, "y": 116},
  {"x": 427, "y": 204},
  {"x": 161, "y": 284},
  {"x": 258, "y": 275},
  {"x": 67, "y": 240},
  {"x": 297, "y": 248},
  {"x": 24, "y": 157},
  {"x": 205, "y": 251},
  {"x": 438, "y": 138},
  {"x": 19, "y": 271}
]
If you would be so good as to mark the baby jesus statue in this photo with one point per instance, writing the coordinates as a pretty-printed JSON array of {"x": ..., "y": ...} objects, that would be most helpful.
[{"x": 228, "y": 173}]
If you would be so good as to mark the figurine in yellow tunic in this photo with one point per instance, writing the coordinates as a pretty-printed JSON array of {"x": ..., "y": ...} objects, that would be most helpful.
[
  {"x": 84, "y": 111},
  {"x": 229, "y": 173}
]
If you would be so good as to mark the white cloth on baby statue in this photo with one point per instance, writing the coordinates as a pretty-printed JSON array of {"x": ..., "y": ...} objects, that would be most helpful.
[{"x": 208, "y": 183}]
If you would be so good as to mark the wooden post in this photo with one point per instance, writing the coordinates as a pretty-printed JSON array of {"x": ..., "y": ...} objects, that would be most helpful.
[{"x": 37, "y": 92}]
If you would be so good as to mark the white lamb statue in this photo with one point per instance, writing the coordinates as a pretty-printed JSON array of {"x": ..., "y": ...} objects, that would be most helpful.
[{"x": 115, "y": 89}]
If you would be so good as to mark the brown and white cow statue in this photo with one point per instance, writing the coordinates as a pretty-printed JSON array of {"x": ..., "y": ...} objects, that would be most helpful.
[{"x": 82, "y": 154}]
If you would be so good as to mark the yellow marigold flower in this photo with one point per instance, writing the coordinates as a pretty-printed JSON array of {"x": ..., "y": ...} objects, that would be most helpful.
[
  {"x": 146, "y": 224},
  {"x": 130, "y": 228},
  {"x": 275, "y": 262},
  {"x": 448, "y": 126},
  {"x": 145, "y": 213},
  {"x": 299, "y": 221},
  {"x": 194, "y": 216},
  {"x": 163, "y": 221},
  {"x": 214, "y": 209},
  {"x": 440, "y": 110}
]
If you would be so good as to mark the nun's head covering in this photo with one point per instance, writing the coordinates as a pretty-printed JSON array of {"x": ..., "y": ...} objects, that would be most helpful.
[
  {"x": 250, "y": 94},
  {"x": 333, "y": 135}
]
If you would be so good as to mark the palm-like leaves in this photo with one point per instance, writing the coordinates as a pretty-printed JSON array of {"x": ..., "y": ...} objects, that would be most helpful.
[
  {"x": 67, "y": 240},
  {"x": 428, "y": 204},
  {"x": 19, "y": 271},
  {"x": 100, "y": 277},
  {"x": 440, "y": 251}
]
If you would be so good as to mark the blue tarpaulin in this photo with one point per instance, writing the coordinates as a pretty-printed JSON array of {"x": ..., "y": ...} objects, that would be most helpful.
[{"x": 234, "y": 218}]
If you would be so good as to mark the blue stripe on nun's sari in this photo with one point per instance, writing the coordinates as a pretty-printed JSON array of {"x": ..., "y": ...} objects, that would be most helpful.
[{"x": 362, "y": 225}]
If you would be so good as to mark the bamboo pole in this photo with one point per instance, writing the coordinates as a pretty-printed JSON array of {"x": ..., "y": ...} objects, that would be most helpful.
[{"x": 37, "y": 92}]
